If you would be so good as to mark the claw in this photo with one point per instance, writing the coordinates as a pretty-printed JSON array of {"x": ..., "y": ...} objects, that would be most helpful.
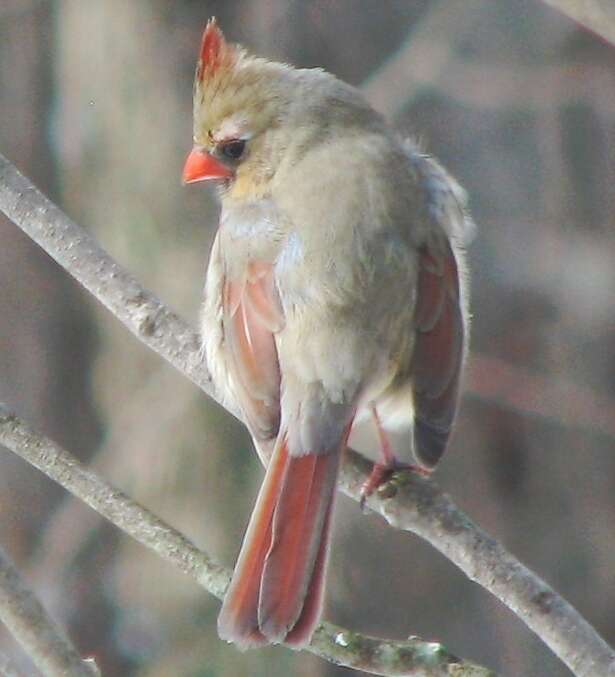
[
  {"x": 382, "y": 472},
  {"x": 379, "y": 475}
]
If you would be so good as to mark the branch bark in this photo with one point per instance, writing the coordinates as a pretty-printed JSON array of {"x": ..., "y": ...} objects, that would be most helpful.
[
  {"x": 415, "y": 504},
  {"x": 140, "y": 311},
  {"x": 32, "y": 627},
  {"x": 407, "y": 502},
  {"x": 335, "y": 644},
  {"x": 596, "y": 15}
]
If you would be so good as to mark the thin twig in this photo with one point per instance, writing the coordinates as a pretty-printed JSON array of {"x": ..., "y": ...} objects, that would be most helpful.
[
  {"x": 336, "y": 644},
  {"x": 596, "y": 15},
  {"x": 29, "y": 623},
  {"x": 65, "y": 534},
  {"x": 567, "y": 634}
]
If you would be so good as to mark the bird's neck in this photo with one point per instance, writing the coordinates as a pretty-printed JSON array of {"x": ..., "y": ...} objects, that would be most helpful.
[{"x": 247, "y": 187}]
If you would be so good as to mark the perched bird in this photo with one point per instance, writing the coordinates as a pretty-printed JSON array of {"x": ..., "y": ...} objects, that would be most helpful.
[{"x": 335, "y": 292}]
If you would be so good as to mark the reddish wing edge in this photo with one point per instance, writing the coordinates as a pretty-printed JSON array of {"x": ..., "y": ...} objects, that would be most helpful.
[
  {"x": 277, "y": 589},
  {"x": 438, "y": 352},
  {"x": 252, "y": 315},
  {"x": 276, "y": 592}
]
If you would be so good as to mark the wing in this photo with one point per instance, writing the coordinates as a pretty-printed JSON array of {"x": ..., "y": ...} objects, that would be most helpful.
[
  {"x": 252, "y": 316},
  {"x": 438, "y": 351},
  {"x": 276, "y": 592}
]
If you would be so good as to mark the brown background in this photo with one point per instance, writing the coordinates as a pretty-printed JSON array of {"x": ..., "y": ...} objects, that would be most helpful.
[{"x": 519, "y": 103}]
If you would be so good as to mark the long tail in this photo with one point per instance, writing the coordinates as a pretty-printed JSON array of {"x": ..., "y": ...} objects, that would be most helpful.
[{"x": 276, "y": 593}]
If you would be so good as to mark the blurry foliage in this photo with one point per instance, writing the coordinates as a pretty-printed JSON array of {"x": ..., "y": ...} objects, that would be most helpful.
[{"x": 95, "y": 105}]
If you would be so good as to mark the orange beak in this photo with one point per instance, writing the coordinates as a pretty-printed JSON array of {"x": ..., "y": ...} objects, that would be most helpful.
[{"x": 201, "y": 166}]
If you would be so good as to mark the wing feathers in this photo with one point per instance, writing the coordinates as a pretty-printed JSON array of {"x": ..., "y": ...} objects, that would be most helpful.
[
  {"x": 252, "y": 315},
  {"x": 277, "y": 588},
  {"x": 438, "y": 352},
  {"x": 262, "y": 296}
]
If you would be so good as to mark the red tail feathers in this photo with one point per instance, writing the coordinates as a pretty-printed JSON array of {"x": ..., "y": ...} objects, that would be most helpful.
[{"x": 276, "y": 593}]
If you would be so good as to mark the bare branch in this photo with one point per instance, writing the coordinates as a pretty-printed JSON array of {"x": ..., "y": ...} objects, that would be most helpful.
[
  {"x": 140, "y": 311},
  {"x": 412, "y": 503},
  {"x": 417, "y": 505},
  {"x": 336, "y": 644},
  {"x": 32, "y": 627},
  {"x": 597, "y": 15}
]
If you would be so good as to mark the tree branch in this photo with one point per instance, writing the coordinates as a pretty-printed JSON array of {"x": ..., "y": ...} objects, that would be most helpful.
[
  {"x": 335, "y": 644},
  {"x": 139, "y": 310},
  {"x": 409, "y": 503},
  {"x": 32, "y": 627},
  {"x": 412, "y": 503},
  {"x": 596, "y": 15}
]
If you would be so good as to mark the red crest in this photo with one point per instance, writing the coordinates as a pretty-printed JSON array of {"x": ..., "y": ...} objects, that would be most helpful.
[{"x": 215, "y": 52}]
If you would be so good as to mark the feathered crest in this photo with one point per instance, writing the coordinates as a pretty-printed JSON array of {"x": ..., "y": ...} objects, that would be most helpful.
[
  {"x": 230, "y": 85},
  {"x": 216, "y": 55}
]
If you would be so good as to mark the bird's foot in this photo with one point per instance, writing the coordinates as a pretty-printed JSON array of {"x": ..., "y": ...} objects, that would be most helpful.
[{"x": 379, "y": 475}]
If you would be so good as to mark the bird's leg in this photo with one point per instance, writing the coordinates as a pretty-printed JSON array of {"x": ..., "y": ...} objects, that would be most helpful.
[{"x": 381, "y": 471}]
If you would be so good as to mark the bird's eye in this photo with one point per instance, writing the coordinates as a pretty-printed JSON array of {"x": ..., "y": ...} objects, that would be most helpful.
[{"x": 233, "y": 150}]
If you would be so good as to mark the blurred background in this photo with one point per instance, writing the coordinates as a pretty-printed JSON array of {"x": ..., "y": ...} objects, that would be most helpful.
[{"x": 519, "y": 103}]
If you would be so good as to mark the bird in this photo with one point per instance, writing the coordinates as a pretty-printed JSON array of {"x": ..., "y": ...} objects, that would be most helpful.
[{"x": 335, "y": 293}]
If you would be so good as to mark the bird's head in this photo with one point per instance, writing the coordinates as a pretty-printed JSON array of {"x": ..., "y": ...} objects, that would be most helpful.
[
  {"x": 240, "y": 101},
  {"x": 253, "y": 116}
]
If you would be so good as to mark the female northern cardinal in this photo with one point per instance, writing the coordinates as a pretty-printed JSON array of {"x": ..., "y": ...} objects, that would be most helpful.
[{"x": 333, "y": 293}]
